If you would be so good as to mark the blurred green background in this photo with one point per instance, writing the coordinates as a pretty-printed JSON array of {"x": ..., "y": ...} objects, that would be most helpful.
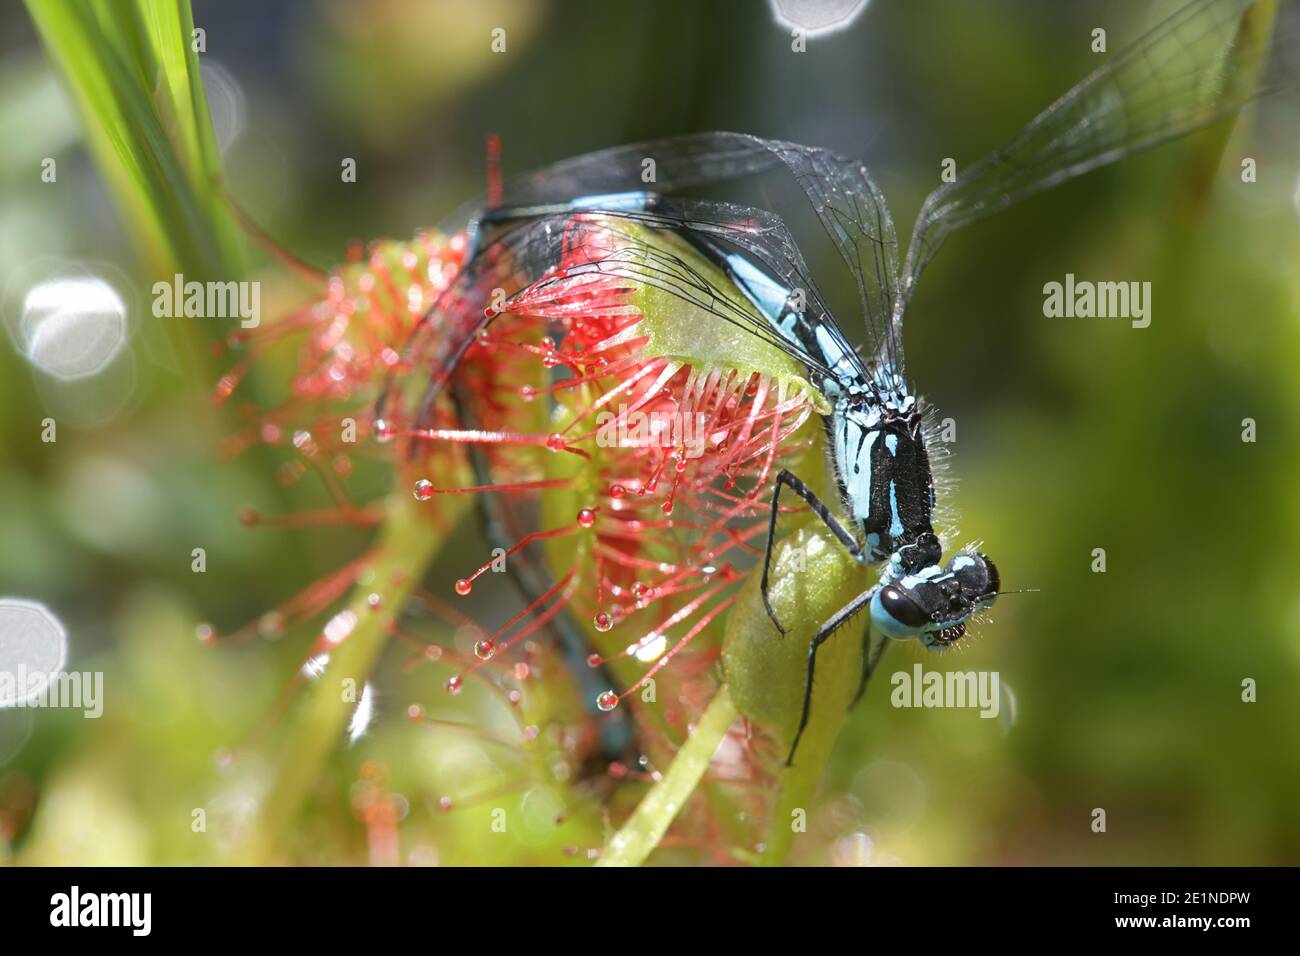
[{"x": 1072, "y": 434}]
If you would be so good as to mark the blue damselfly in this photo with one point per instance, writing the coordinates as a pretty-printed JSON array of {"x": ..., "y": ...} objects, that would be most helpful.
[{"x": 1194, "y": 68}]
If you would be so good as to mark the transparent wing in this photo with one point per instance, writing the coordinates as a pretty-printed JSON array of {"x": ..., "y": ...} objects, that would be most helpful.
[
  {"x": 842, "y": 193},
  {"x": 856, "y": 217},
  {"x": 1199, "y": 65},
  {"x": 764, "y": 238},
  {"x": 526, "y": 254},
  {"x": 661, "y": 166}
]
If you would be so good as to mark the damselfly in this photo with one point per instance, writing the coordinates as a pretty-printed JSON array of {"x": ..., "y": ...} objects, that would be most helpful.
[{"x": 1198, "y": 66}]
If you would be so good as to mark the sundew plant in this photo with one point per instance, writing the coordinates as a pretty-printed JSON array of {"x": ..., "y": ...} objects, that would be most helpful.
[{"x": 410, "y": 475}]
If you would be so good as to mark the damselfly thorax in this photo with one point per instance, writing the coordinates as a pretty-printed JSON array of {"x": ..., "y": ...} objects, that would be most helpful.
[{"x": 875, "y": 431}]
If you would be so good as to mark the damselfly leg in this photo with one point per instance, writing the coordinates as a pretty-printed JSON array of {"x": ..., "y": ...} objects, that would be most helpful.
[
  {"x": 840, "y": 618},
  {"x": 820, "y": 509},
  {"x": 824, "y": 633}
]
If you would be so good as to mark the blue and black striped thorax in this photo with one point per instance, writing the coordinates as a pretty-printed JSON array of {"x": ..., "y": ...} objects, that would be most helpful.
[
  {"x": 877, "y": 440},
  {"x": 875, "y": 431}
]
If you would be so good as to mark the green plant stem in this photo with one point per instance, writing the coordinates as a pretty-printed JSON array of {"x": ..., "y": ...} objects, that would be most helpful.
[
  {"x": 798, "y": 783},
  {"x": 657, "y": 810},
  {"x": 135, "y": 79},
  {"x": 407, "y": 546}
]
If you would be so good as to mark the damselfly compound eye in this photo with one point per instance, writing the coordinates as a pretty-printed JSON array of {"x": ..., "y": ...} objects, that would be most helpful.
[
  {"x": 994, "y": 579},
  {"x": 903, "y": 609},
  {"x": 977, "y": 575}
]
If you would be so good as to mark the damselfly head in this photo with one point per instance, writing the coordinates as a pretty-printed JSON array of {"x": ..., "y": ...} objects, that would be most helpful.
[{"x": 934, "y": 603}]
